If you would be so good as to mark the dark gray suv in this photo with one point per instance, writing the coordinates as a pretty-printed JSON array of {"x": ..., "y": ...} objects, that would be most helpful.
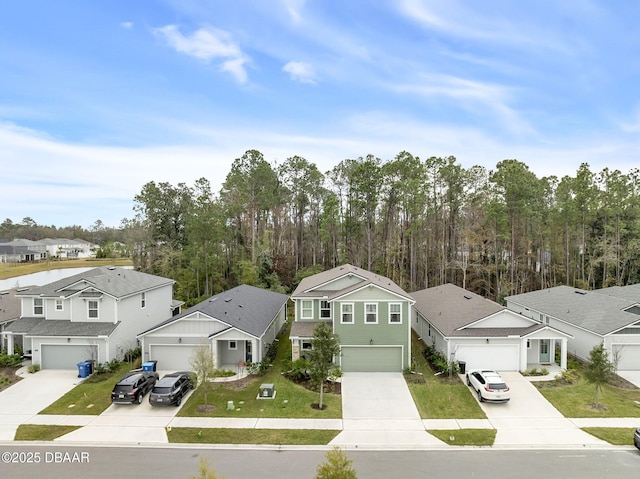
[
  {"x": 170, "y": 390},
  {"x": 636, "y": 438}
]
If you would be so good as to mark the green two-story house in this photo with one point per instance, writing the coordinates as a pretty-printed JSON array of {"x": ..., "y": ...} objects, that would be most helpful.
[{"x": 369, "y": 313}]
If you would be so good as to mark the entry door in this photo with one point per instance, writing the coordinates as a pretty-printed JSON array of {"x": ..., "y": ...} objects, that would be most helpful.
[
  {"x": 545, "y": 355},
  {"x": 248, "y": 353}
]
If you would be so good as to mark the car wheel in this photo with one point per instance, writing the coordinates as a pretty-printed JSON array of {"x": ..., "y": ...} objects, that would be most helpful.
[
  {"x": 480, "y": 398},
  {"x": 468, "y": 382},
  {"x": 179, "y": 401},
  {"x": 139, "y": 398}
]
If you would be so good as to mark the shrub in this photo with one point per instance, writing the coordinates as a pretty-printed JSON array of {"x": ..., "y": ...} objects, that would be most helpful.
[
  {"x": 298, "y": 370},
  {"x": 569, "y": 376},
  {"x": 10, "y": 360},
  {"x": 438, "y": 361},
  {"x": 33, "y": 368}
]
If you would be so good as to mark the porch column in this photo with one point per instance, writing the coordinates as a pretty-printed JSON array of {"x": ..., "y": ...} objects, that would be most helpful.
[
  {"x": 256, "y": 355},
  {"x": 524, "y": 353},
  {"x": 563, "y": 353},
  {"x": 9, "y": 337},
  {"x": 214, "y": 351}
]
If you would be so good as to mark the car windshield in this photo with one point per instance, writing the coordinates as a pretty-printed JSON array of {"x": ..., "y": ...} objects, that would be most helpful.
[
  {"x": 158, "y": 390},
  {"x": 497, "y": 386}
]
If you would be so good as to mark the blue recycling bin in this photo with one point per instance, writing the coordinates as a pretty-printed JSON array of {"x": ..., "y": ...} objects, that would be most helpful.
[
  {"x": 149, "y": 366},
  {"x": 84, "y": 369}
]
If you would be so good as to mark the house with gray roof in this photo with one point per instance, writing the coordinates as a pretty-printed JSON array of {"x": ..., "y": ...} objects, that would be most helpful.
[
  {"x": 9, "y": 312},
  {"x": 94, "y": 315},
  {"x": 237, "y": 325},
  {"x": 465, "y": 327},
  {"x": 368, "y": 312},
  {"x": 610, "y": 316}
]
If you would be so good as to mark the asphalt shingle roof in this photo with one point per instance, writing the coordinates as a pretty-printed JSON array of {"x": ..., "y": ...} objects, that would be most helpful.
[
  {"x": 601, "y": 311},
  {"x": 244, "y": 307},
  {"x": 49, "y": 327}
]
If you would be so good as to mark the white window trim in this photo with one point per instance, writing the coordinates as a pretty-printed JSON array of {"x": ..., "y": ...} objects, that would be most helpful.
[
  {"x": 89, "y": 308},
  {"x": 343, "y": 312},
  {"x": 328, "y": 308},
  {"x": 40, "y": 306},
  {"x": 399, "y": 313},
  {"x": 367, "y": 313},
  {"x": 59, "y": 302},
  {"x": 303, "y": 309},
  {"x": 235, "y": 345}
]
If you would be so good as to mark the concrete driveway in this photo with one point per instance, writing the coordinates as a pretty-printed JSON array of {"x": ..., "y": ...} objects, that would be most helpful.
[
  {"x": 26, "y": 398},
  {"x": 378, "y": 409},
  {"x": 529, "y": 419}
]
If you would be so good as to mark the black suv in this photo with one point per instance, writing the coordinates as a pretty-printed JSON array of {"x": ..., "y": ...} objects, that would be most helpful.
[
  {"x": 636, "y": 438},
  {"x": 171, "y": 389},
  {"x": 133, "y": 386}
]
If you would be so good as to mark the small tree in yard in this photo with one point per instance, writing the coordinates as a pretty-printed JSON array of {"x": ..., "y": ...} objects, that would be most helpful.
[
  {"x": 203, "y": 365},
  {"x": 599, "y": 370},
  {"x": 325, "y": 346},
  {"x": 337, "y": 466}
]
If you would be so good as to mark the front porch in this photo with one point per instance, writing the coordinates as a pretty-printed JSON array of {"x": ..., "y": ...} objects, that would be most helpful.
[{"x": 553, "y": 370}]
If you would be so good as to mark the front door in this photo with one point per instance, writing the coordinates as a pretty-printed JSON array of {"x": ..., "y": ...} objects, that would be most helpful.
[
  {"x": 545, "y": 355},
  {"x": 248, "y": 353}
]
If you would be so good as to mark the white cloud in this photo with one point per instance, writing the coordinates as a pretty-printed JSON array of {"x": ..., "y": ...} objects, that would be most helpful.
[
  {"x": 126, "y": 25},
  {"x": 302, "y": 72},
  {"x": 208, "y": 43},
  {"x": 293, "y": 8}
]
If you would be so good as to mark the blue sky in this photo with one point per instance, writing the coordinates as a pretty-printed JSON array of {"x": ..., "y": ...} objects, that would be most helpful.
[{"x": 98, "y": 98}]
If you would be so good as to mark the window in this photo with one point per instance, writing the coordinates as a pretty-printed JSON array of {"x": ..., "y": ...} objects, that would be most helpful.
[
  {"x": 325, "y": 309},
  {"x": 38, "y": 306},
  {"x": 307, "y": 309},
  {"x": 370, "y": 313},
  {"x": 346, "y": 313},
  {"x": 143, "y": 300},
  {"x": 395, "y": 313},
  {"x": 59, "y": 305},
  {"x": 233, "y": 345},
  {"x": 92, "y": 310},
  {"x": 307, "y": 346}
]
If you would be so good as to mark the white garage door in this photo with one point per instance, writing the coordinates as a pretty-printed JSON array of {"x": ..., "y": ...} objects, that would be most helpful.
[
  {"x": 628, "y": 356},
  {"x": 175, "y": 357},
  {"x": 490, "y": 356},
  {"x": 65, "y": 356}
]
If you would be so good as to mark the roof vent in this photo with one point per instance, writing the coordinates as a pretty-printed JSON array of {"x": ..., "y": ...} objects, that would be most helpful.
[
  {"x": 227, "y": 300},
  {"x": 211, "y": 300},
  {"x": 581, "y": 292},
  {"x": 466, "y": 296}
]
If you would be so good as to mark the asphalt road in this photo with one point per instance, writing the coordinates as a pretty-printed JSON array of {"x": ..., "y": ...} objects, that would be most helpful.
[{"x": 45, "y": 462}]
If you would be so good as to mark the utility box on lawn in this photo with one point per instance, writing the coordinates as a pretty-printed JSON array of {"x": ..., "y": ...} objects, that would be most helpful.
[{"x": 267, "y": 391}]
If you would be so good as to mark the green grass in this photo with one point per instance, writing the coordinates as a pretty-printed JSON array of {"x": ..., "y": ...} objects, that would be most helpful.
[
  {"x": 465, "y": 437},
  {"x": 10, "y": 270},
  {"x": 37, "y": 432},
  {"x": 251, "y": 436},
  {"x": 91, "y": 397},
  {"x": 618, "y": 436},
  {"x": 291, "y": 401},
  {"x": 438, "y": 398},
  {"x": 576, "y": 400}
]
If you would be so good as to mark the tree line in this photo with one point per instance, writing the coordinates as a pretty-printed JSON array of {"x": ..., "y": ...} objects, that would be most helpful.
[{"x": 419, "y": 222}]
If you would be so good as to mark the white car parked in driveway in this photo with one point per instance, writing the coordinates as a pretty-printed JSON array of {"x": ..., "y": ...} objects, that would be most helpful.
[{"x": 488, "y": 385}]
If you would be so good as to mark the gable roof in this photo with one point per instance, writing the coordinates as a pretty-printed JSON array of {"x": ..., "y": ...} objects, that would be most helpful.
[
  {"x": 308, "y": 286},
  {"x": 244, "y": 307},
  {"x": 114, "y": 281},
  {"x": 601, "y": 311},
  {"x": 10, "y": 305},
  {"x": 448, "y": 307}
]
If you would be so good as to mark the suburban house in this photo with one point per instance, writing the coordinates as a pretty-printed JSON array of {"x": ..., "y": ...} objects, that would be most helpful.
[
  {"x": 610, "y": 316},
  {"x": 237, "y": 325},
  {"x": 9, "y": 311},
  {"x": 464, "y": 326},
  {"x": 369, "y": 313},
  {"x": 22, "y": 250},
  {"x": 94, "y": 315},
  {"x": 68, "y": 248}
]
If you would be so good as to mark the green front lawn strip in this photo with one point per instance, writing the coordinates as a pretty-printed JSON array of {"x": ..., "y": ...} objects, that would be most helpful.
[
  {"x": 91, "y": 397},
  {"x": 39, "y": 432},
  {"x": 291, "y": 400},
  {"x": 618, "y": 436},
  {"x": 576, "y": 400},
  {"x": 436, "y": 397},
  {"x": 465, "y": 437},
  {"x": 304, "y": 437}
]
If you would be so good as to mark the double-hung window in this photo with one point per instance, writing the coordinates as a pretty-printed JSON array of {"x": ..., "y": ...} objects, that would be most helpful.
[
  {"x": 370, "y": 313},
  {"x": 59, "y": 305},
  {"x": 38, "y": 306},
  {"x": 395, "y": 313},
  {"x": 325, "y": 309},
  {"x": 92, "y": 309},
  {"x": 307, "y": 309},
  {"x": 346, "y": 313}
]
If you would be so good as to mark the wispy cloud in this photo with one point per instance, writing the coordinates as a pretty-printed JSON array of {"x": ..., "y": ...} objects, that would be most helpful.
[
  {"x": 302, "y": 72},
  {"x": 126, "y": 25},
  {"x": 208, "y": 43}
]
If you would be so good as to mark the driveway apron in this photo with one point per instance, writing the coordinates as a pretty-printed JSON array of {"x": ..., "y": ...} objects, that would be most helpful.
[
  {"x": 26, "y": 398},
  {"x": 529, "y": 419},
  {"x": 632, "y": 376},
  {"x": 378, "y": 410}
]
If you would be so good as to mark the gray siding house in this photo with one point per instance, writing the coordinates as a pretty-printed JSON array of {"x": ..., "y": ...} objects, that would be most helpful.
[
  {"x": 609, "y": 315},
  {"x": 369, "y": 313},
  {"x": 237, "y": 325},
  {"x": 92, "y": 315}
]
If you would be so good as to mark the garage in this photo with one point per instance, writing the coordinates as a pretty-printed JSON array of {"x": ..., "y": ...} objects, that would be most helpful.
[
  {"x": 627, "y": 355},
  {"x": 371, "y": 359},
  {"x": 501, "y": 357},
  {"x": 66, "y": 356},
  {"x": 174, "y": 357}
]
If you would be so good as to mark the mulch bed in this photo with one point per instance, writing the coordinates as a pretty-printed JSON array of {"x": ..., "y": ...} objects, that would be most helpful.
[{"x": 8, "y": 377}]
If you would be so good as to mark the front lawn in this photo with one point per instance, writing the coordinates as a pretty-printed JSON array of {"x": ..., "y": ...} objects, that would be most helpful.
[
  {"x": 439, "y": 397},
  {"x": 38, "y": 432},
  {"x": 576, "y": 400},
  {"x": 618, "y": 436},
  {"x": 91, "y": 397},
  {"x": 291, "y": 400},
  {"x": 465, "y": 437},
  {"x": 304, "y": 437}
]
